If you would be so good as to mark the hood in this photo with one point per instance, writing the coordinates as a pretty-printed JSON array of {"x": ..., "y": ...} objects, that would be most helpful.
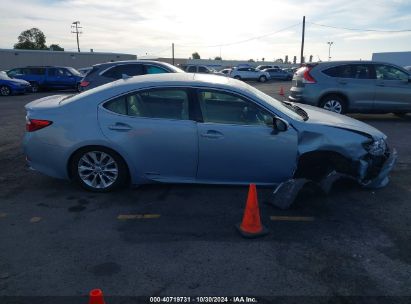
[
  {"x": 20, "y": 81},
  {"x": 324, "y": 117}
]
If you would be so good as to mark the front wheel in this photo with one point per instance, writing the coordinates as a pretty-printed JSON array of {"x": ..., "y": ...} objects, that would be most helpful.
[
  {"x": 34, "y": 87},
  {"x": 5, "y": 91},
  {"x": 334, "y": 103},
  {"x": 99, "y": 169},
  {"x": 262, "y": 79}
]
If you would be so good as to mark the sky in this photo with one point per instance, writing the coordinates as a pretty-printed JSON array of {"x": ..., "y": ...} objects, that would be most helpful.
[{"x": 234, "y": 29}]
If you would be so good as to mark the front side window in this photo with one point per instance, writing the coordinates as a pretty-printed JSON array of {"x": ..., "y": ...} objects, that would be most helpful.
[
  {"x": 151, "y": 69},
  {"x": 160, "y": 103},
  {"x": 387, "y": 72},
  {"x": 226, "y": 108}
]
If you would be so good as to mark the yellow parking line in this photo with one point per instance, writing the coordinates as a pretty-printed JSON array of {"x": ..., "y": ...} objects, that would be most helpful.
[
  {"x": 292, "y": 218},
  {"x": 137, "y": 216}
]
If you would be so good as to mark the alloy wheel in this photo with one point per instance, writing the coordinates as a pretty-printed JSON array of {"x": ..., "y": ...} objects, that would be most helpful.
[
  {"x": 333, "y": 106},
  {"x": 98, "y": 169},
  {"x": 5, "y": 91}
]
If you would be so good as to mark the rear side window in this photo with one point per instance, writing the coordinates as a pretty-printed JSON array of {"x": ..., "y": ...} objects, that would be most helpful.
[
  {"x": 117, "y": 72},
  {"x": 191, "y": 69},
  {"x": 36, "y": 71},
  {"x": 167, "y": 104},
  {"x": 354, "y": 71}
]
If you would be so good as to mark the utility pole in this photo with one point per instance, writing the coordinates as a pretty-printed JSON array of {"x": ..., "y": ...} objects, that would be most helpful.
[
  {"x": 330, "y": 43},
  {"x": 75, "y": 29},
  {"x": 172, "y": 52},
  {"x": 302, "y": 43}
]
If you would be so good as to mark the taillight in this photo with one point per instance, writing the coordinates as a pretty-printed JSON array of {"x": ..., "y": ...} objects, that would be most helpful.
[
  {"x": 307, "y": 78},
  {"x": 84, "y": 83},
  {"x": 36, "y": 124}
]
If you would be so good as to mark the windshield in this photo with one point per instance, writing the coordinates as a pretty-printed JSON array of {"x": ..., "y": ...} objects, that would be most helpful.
[
  {"x": 74, "y": 72},
  {"x": 287, "y": 108}
]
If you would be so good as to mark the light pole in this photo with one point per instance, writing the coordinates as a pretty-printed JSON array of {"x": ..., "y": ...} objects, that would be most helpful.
[
  {"x": 75, "y": 29},
  {"x": 330, "y": 43}
]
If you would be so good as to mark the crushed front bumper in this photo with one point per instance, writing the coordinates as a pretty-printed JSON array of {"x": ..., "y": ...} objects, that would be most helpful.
[{"x": 382, "y": 178}]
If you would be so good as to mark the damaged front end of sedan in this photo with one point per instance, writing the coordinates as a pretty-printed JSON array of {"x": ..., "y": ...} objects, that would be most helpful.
[{"x": 338, "y": 153}]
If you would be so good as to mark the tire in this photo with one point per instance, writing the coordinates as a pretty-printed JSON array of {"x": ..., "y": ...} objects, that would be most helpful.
[
  {"x": 34, "y": 87},
  {"x": 79, "y": 88},
  {"x": 262, "y": 79},
  {"x": 98, "y": 169},
  {"x": 334, "y": 103},
  {"x": 237, "y": 77},
  {"x": 5, "y": 91}
]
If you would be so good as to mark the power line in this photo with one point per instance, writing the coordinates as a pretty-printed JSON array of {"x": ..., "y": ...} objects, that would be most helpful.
[
  {"x": 241, "y": 41},
  {"x": 360, "y": 30}
]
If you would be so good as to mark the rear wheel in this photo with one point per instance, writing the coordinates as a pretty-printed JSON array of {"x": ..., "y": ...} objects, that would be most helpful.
[
  {"x": 5, "y": 90},
  {"x": 262, "y": 79},
  {"x": 237, "y": 77},
  {"x": 79, "y": 88},
  {"x": 334, "y": 103},
  {"x": 34, "y": 87},
  {"x": 98, "y": 169}
]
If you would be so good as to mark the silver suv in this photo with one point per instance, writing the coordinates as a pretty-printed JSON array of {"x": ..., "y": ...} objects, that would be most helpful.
[{"x": 353, "y": 86}]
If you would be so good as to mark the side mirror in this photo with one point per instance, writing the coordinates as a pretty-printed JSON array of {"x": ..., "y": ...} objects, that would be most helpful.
[{"x": 280, "y": 125}]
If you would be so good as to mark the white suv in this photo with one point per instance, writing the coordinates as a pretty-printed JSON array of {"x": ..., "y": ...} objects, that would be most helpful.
[{"x": 249, "y": 73}]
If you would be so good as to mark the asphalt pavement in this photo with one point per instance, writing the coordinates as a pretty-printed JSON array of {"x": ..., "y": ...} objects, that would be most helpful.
[{"x": 180, "y": 240}]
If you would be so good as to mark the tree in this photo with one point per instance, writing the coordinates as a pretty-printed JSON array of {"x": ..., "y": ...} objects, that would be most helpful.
[
  {"x": 196, "y": 55},
  {"x": 286, "y": 59},
  {"x": 295, "y": 60},
  {"x": 56, "y": 47},
  {"x": 251, "y": 60},
  {"x": 279, "y": 60},
  {"x": 218, "y": 58},
  {"x": 263, "y": 59},
  {"x": 311, "y": 58},
  {"x": 32, "y": 39}
]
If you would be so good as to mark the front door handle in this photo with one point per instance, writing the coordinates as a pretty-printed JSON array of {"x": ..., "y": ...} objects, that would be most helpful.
[
  {"x": 118, "y": 126},
  {"x": 381, "y": 84},
  {"x": 212, "y": 134}
]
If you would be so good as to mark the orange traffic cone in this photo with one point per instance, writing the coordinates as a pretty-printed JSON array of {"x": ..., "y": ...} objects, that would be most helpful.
[
  {"x": 96, "y": 297},
  {"x": 251, "y": 226},
  {"x": 281, "y": 91}
]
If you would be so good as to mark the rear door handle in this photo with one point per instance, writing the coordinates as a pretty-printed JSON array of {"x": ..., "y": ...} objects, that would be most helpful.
[
  {"x": 381, "y": 84},
  {"x": 212, "y": 134},
  {"x": 118, "y": 126}
]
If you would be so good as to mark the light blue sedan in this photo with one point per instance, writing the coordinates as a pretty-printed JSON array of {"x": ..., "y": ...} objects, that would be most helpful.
[{"x": 195, "y": 128}]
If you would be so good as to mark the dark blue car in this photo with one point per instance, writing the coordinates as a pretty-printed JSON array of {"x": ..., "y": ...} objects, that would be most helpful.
[
  {"x": 48, "y": 77},
  {"x": 10, "y": 86}
]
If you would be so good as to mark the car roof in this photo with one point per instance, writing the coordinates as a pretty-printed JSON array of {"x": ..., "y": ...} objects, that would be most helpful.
[
  {"x": 129, "y": 61},
  {"x": 163, "y": 80}
]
